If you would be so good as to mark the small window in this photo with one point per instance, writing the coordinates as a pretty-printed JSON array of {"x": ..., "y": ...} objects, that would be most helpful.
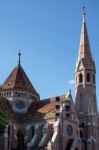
[
  {"x": 68, "y": 108},
  {"x": 57, "y": 106},
  {"x": 80, "y": 78},
  {"x": 81, "y": 134},
  {"x": 88, "y": 77},
  {"x": 9, "y": 94},
  {"x": 57, "y": 114},
  {"x": 68, "y": 115},
  {"x": 93, "y": 78},
  {"x": 57, "y": 98},
  {"x": 9, "y": 129},
  {"x": 19, "y": 94},
  {"x": 16, "y": 93},
  {"x": 82, "y": 125}
]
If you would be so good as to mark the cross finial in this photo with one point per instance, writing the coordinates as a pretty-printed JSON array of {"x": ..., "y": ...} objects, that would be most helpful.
[
  {"x": 84, "y": 13},
  {"x": 19, "y": 54}
]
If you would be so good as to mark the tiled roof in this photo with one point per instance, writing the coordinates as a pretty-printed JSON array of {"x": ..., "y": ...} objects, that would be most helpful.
[
  {"x": 19, "y": 80},
  {"x": 84, "y": 48},
  {"x": 44, "y": 108},
  {"x": 5, "y": 105}
]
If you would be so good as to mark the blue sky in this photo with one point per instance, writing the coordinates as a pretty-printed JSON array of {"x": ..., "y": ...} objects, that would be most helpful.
[{"x": 47, "y": 32}]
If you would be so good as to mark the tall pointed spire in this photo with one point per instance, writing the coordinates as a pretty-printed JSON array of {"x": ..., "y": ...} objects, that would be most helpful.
[
  {"x": 85, "y": 88},
  {"x": 85, "y": 74},
  {"x": 84, "y": 49}
]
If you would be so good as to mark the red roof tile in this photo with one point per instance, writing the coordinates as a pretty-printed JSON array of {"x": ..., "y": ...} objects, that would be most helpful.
[
  {"x": 19, "y": 80},
  {"x": 44, "y": 107}
]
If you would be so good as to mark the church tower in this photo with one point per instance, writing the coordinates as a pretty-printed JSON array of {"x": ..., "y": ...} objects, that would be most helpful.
[{"x": 85, "y": 87}]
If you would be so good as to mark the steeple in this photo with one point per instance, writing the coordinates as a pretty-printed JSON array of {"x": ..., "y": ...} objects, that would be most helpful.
[
  {"x": 85, "y": 74},
  {"x": 85, "y": 89},
  {"x": 84, "y": 48}
]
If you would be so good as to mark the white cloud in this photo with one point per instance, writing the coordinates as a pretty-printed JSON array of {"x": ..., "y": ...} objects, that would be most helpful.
[{"x": 71, "y": 82}]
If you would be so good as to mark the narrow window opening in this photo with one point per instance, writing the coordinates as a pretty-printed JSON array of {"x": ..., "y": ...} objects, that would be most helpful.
[
  {"x": 82, "y": 125},
  {"x": 88, "y": 77},
  {"x": 80, "y": 78},
  {"x": 67, "y": 108},
  {"x": 68, "y": 115},
  {"x": 57, "y": 114},
  {"x": 57, "y": 106},
  {"x": 32, "y": 131},
  {"x": 94, "y": 79}
]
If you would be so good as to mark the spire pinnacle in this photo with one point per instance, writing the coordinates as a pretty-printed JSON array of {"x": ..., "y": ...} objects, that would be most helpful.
[
  {"x": 84, "y": 13},
  {"x": 84, "y": 49},
  {"x": 19, "y": 60}
]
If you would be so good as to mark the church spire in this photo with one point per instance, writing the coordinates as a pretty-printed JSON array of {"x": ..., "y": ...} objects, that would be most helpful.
[
  {"x": 84, "y": 48},
  {"x": 85, "y": 74}
]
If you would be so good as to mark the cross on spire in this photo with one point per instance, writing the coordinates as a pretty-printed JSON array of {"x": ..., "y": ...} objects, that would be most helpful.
[
  {"x": 19, "y": 60},
  {"x": 84, "y": 13}
]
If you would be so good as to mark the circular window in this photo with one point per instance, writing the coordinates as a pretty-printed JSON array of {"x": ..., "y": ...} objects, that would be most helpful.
[
  {"x": 69, "y": 130},
  {"x": 20, "y": 104}
]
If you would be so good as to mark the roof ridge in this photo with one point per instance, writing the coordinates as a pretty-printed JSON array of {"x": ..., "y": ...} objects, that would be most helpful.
[
  {"x": 16, "y": 74},
  {"x": 8, "y": 77}
]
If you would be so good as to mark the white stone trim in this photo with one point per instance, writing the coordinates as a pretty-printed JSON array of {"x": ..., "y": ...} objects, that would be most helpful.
[
  {"x": 28, "y": 127},
  {"x": 5, "y": 135},
  {"x": 15, "y": 137},
  {"x": 14, "y": 126},
  {"x": 88, "y": 123}
]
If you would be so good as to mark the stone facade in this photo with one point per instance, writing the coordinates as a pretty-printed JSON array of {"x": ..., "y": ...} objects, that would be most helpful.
[{"x": 55, "y": 123}]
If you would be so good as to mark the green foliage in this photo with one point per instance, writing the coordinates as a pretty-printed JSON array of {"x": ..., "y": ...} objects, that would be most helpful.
[{"x": 3, "y": 121}]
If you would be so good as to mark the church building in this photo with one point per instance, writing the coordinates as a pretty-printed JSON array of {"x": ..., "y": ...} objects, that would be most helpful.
[{"x": 56, "y": 123}]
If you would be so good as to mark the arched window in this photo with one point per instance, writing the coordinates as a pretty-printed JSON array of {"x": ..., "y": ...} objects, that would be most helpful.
[
  {"x": 88, "y": 77},
  {"x": 80, "y": 78},
  {"x": 93, "y": 78},
  {"x": 81, "y": 134},
  {"x": 32, "y": 131}
]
